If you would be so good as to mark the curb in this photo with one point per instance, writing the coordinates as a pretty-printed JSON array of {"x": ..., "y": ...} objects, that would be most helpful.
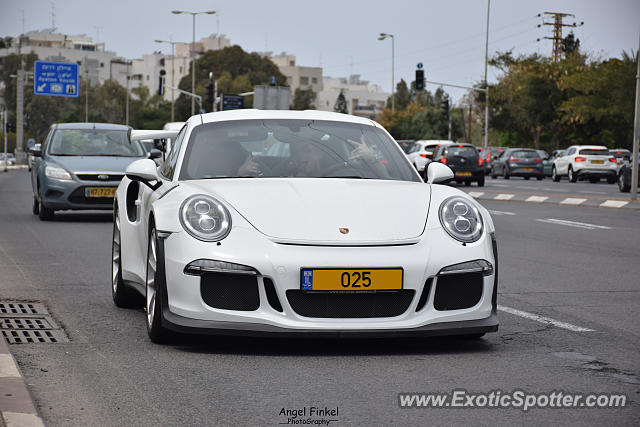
[
  {"x": 16, "y": 405},
  {"x": 563, "y": 201}
]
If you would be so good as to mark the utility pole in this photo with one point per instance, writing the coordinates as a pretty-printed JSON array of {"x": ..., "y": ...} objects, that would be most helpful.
[
  {"x": 636, "y": 134},
  {"x": 3, "y": 122},
  {"x": 450, "y": 114},
  {"x": 470, "y": 107},
  {"x": 557, "y": 32},
  {"x": 486, "y": 83},
  {"x": 86, "y": 91},
  {"x": 126, "y": 108}
]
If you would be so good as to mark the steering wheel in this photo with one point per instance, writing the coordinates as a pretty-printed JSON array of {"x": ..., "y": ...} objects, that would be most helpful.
[
  {"x": 265, "y": 169},
  {"x": 342, "y": 169}
]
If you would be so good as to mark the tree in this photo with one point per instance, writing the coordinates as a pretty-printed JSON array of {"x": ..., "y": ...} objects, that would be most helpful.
[
  {"x": 341, "y": 104},
  {"x": 401, "y": 96},
  {"x": 303, "y": 99},
  {"x": 570, "y": 44}
]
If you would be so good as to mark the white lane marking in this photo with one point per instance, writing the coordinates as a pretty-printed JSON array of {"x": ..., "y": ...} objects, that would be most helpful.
[
  {"x": 552, "y": 189},
  {"x": 475, "y": 193},
  {"x": 613, "y": 203},
  {"x": 543, "y": 319},
  {"x": 500, "y": 213},
  {"x": 572, "y": 201},
  {"x": 499, "y": 185},
  {"x": 503, "y": 197},
  {"x": 8, "y": 369},
  {"x": 22, "y": 419},
  {"x": 574, "y": 224},
  {"x": 537, "y": 199}
]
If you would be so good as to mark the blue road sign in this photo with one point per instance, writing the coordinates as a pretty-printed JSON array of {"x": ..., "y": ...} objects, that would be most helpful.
[
  {"x": 419, "y": 65},
  {"x": 56, "y": 79},
  {"x": 232, "y": 102}
]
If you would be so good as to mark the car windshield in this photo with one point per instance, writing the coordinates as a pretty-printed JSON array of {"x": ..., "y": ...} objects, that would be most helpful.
[
  {"x": 94, "y": 142},
  {"x": 461, "y": 151},
  {"x": 293, "y": 148},
  {"x": 595, "y": 152},
  {"x": 522, "y": 154}
]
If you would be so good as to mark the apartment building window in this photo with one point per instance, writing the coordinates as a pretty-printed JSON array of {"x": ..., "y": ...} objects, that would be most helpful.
[
  {"x": 147, "y": 77},
  {"x": 292, "y": 63},
  {"x": 314, "y": 80},
  {"x": 304, "y": 80}
]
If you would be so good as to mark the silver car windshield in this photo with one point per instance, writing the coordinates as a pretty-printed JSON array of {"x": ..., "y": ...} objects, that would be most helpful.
[
  {"x": 94, "y": 142},
  {"x": 293, "y": 148}
]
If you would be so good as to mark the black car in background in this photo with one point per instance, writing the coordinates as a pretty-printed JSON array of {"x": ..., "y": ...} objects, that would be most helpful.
[
  {"x": 525, "y": 162},
  {"x": 624, "y": 175},
  {"x": 463, "y": 159}
]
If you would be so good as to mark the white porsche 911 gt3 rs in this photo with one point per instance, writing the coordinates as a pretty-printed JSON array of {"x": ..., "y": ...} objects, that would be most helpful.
[{"x": 300, "y": 223}]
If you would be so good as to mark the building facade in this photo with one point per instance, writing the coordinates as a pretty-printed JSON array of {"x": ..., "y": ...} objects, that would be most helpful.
[
  {"x": 299, "y": 76},
  {"x": 363, "y": 99}
]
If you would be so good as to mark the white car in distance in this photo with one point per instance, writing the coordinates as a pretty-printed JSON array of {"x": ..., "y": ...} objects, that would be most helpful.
[
  {"x": 421, "y": 154},
  {"x": 300, "y": 223},
  {"x": 591, "y": 162}
]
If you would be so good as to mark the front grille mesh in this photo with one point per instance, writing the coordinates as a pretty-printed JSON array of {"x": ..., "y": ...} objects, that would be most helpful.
[{"x": 350, "y": 305}]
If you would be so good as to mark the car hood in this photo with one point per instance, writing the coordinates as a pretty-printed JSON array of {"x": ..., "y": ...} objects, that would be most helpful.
[
  {"x": 313, "y": 211},
  {"x": 93, "y": 163}
]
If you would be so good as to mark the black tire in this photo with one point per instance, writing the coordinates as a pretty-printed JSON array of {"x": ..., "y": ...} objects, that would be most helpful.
[
  {"x": 554, "y": 175},
  {"x": 594, "y": 180},
  {"x": 505, "y": 173},
  {"x": 35, "y": 208},
  {"x": 527, "y": 178},
  {"x": 622, "y": 185},
  {"x": 572, "y": 176},
  {"x": 467, "y": 183},
  {"x": 611, "y": 180},
  {"x": 493, "y": 174},
  {"x": 122, "y": 295},
  {"x": 540, "y": 178},
  {"x": 153, "y": 308},
  {"x": 481, "y": 182},
  {"x": 44, "y": 213}
]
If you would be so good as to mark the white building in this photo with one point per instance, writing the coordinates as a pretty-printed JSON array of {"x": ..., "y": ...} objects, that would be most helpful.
[
  {"x": 299, "y": 76},
  {"x": 363, "y": 99},
  {"x": 213, "y": 42}
]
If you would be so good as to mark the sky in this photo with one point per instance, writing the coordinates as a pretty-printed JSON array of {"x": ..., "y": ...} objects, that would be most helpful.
[{"x": 341, "y": 36}]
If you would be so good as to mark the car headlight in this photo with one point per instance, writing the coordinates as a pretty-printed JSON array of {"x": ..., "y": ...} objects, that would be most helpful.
[
  {"x": 205, "y": 218},
  {"x": 461, "y": 219},
  {"x": 57, "y": 173}
]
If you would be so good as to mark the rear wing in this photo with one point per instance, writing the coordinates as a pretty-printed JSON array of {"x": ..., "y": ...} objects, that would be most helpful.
[{"x": 138, "y": 134}]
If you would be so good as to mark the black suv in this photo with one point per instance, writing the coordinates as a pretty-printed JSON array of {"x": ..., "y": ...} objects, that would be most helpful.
[{"x": 464, "y": 160}]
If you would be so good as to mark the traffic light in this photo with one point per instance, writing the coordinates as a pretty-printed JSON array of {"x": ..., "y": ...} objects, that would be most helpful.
[
  {"x": 419, "y": 79},
  {"x": 445, "y": 109},
  {"x": 161, "y": 86},
  {"x": 210, "y": 88}
]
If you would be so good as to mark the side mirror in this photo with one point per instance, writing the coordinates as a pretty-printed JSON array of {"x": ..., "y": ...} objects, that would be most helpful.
[
  {"x": 155, "y": 153},
  {"x": 36, "y": 150},
  {"x": 144, "y": 171},
  {"x": 437, "y": 172}
]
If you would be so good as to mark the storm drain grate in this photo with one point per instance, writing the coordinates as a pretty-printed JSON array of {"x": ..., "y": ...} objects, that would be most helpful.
[{"x": 28, "y": 322}]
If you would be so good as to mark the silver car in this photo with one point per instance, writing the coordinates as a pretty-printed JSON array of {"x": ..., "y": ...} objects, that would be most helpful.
[{"x": 80, "y": 165}]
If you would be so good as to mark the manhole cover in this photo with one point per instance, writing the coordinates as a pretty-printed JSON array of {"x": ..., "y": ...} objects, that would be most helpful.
[{"x": 28, "y": 322}]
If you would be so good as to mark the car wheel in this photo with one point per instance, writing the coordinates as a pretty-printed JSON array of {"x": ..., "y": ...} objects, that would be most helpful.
[
  {"x": 554, "y": 175},
  {"x": 44, "y": 213},
  {"x": 467, "y": 183},
  {"x": 505, "y": 173},
  {"x": 527, "y": 178},
  {"x": 611, "y": 180},
  {"x": 572, "y": 176},
  {"x": 493, "y": 174},
  {"x": 35, "y": 208},
  {"x": 153, "y": 298},
  {"x": 122, "y": 296},
  {"x": 481, "y": 182},
  {"x": 540, "y": 178},
  {"x": 623, "y": 186}
]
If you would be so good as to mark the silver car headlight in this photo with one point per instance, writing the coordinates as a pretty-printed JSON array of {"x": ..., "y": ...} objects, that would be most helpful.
[
  {"x": 205, "y": 218},
  {"x": 461, "y": 219},
  {"x": 57, "y": 173}
]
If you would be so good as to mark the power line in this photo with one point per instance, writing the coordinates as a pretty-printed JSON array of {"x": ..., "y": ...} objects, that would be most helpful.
[{"x": 557, "y": 31}]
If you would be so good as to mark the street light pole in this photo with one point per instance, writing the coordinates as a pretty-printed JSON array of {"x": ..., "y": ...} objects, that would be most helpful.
[
  {"x": 393, "y": 81},
  {"x": 193, "y": 53},
  {"x": 486, "y": 100},
  {"x": 636, "y": 135}
]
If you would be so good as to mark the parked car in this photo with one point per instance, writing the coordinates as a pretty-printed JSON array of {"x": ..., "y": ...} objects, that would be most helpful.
[
  {"x": 547, "y": 163},
  {"x": 591, "y": 162},
  {"x": 421, "y": 154},
  {"x": 524, "y": 162},
  {"x": 7, "y": 160},
  {"x": 624, "y": 175},
  {"x": 488, "y": 155},
  {"x": 463, "y": 159},
  {"x": 223, "y": 239},
  {"x": 80, "y": 165},
  {"x": 620, "y": 153}
]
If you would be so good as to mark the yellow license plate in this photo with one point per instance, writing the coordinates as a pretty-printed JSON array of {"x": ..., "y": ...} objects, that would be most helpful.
[
  {"x": 463, "y": 173},
  {"x": 100, "y": 192},
  {"x": 597, "y": 162},
  {"x": 351, "y": 280},
  {"x": 527, "y": 170}
]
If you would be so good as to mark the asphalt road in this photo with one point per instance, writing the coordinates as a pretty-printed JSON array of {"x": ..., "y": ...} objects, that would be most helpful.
[{"x": 583, "y": 273}]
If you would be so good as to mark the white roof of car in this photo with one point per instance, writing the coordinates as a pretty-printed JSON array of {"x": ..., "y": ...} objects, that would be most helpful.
[
  {"x": 592, "y": 147},
  {"x": 253, "y": 114}
]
